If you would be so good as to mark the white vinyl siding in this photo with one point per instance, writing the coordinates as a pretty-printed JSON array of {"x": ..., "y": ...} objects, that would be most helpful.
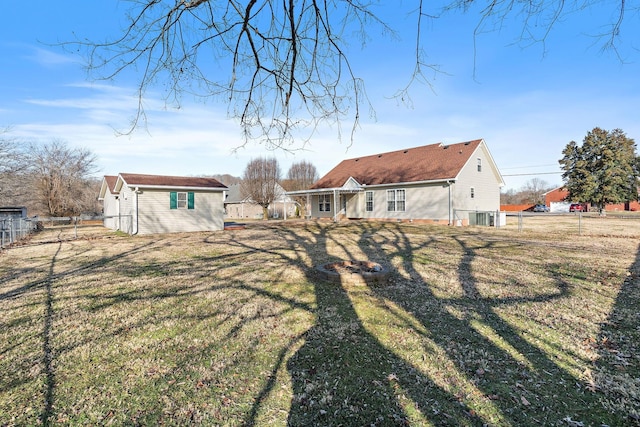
[
  {"x": 110, "y": 211},
  {"x": 155, "y": 214},
  {"x": 486, "y": 185}
]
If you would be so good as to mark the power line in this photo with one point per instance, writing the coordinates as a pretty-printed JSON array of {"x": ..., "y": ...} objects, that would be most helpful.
[
  {"x": 528, "y": 167},
  {"x": 530, "y": 174}
]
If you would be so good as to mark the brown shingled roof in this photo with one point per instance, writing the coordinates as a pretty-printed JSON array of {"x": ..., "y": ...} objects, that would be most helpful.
[
  {"x": 427, "y": 163},
  {"x": 133, "y": 179},
  {"x": 111, "y": 182}
]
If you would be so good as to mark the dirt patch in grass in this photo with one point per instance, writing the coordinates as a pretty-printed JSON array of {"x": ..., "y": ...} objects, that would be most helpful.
[{"x": 475, "y": 326}]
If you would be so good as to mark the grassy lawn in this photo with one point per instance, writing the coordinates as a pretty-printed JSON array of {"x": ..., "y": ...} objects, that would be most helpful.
[{"x": 476, "y": 326}]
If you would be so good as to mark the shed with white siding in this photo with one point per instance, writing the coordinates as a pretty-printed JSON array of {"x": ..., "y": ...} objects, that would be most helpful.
[{"x": 148, "y": 204}]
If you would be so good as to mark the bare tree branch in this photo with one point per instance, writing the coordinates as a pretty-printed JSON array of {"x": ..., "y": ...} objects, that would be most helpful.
[{"x": 281, "y": 66}]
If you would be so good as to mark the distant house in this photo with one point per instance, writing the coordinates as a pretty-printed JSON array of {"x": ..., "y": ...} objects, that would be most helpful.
[
  {"x": 451, "y": 183},
  {"x": 146, "y": 204},
  {"x": 237, "y": 206}
]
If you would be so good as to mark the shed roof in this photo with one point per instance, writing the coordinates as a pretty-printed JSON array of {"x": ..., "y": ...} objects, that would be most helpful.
[
  {"x": 152, "y": 181},
  {"x": 110, "y": 180},
  {"x": 426, "y": 163}
]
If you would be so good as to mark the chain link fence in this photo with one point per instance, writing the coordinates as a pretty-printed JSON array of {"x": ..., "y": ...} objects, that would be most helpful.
[
  {"x": 614, "y": 224},
  {"x": 15, "y": 229}
]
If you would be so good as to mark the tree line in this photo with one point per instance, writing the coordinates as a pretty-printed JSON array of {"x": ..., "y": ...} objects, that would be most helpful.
[{"x": 50, "y": 179}]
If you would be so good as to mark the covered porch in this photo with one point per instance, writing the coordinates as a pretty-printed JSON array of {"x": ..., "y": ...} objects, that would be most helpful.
[{"x": 333, "y": 203}]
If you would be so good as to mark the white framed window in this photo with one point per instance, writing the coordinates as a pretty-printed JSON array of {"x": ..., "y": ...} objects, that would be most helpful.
[
  {"x": 182, "y": 200},
  {"x": 479, "y": 164},
  {"x": 324, "y": 203},
  {"x": 368, "y": 201},
  {"x": 473, "y": 193},
  {"x": 396, "y": 200},
  {"x": 400, "y": 200}
]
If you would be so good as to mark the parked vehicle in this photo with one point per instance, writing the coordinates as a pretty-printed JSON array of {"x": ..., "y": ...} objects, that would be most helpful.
[
  {"x": 540, "y": 208},
  {"x": 576, "y": 207}
]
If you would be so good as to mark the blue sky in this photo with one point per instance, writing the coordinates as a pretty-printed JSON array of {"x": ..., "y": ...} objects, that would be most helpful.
[{"x": 526, "y": 100}]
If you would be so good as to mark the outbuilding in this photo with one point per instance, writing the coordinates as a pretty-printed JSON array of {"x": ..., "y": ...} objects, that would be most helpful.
[{"x": 147, "y": 204}]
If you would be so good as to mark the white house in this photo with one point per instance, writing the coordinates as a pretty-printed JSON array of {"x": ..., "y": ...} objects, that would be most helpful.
[
  {"x": 451, "y": 183},
  {"x": 146, "y": 204},
  {"x": 238, "y": 206}
]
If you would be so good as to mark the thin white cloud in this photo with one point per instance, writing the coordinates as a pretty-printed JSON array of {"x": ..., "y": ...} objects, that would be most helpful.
[{"x": 48, "y": 58}]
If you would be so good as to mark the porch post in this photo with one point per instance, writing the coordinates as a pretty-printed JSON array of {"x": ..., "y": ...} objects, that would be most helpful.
[{"x": 335, "y": 205}]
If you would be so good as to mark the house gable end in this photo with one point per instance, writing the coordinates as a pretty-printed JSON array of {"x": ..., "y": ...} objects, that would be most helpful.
[
  {"x": 351, "y": 184},
  {"x": 482, "y": 152}
]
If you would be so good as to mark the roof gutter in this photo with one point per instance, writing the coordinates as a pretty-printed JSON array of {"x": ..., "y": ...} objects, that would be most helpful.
[
  {"x": 323, "y": 191},
  {"x": 172, "y": 187},
  {"x": 396, "y": 184},
  {"x": 445, "y": 181}
]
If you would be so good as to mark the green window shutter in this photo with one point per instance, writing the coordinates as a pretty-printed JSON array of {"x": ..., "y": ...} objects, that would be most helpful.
[
  {"x": 173, "y": 200},
  {"x": 190, "y": 200}
]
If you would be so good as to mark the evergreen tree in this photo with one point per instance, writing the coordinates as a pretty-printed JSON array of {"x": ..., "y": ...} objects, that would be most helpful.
[{"x": 603, "y": 170}]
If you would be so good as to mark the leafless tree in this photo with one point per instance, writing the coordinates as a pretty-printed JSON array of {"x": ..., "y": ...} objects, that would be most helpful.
[
  {"x": 534, "y": 189},
  {"x": 61, "y": 176},
  {"x": 13, "y": 164},
  {"x": 301, "y": 176},
  {"x": 285, "y": 65},
  {"x": 260, "y": 183},
  {"x": 531, "y": 192}
]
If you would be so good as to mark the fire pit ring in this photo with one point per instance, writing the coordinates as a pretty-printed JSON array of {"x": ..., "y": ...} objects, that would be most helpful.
[{"x": 353, "y": 272}]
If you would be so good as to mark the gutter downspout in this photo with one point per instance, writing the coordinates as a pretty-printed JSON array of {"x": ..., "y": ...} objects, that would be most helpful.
[
  {"x": 136, "y": 191},
  {"x": 449, "y": 183}
]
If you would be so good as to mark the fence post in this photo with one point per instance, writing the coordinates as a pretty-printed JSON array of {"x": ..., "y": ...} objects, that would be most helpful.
[
  {"x": 580, "y": 223},
  {"x": 520, "y": 221}
]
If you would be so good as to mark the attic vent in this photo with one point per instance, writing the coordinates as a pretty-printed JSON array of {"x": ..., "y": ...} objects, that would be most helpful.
[
  {"x": 445, "y": 147},
  {"x": 405, "y": 151},
  {"x": 379, "y": 155},
  {"x": 357, "y": 160},
  {"x": 467, "y": 143}
]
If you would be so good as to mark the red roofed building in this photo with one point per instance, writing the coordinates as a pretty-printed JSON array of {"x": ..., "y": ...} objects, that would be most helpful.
[
  {"x": 559, "y": 198},
  {"x": 439, "y": 182},
  {"x": 146, "y": 204}
]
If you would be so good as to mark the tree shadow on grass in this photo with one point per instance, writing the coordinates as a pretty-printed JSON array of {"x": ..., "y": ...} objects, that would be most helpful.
[
  {"x": 47, "y": 285},
  {"x": 477, "y": 366},
  {"x": 523, "y": 380},
  {"x": 617, "y": 369},
  {"x": 343, "y": 374},
  {"x": 358, "y": 364}
]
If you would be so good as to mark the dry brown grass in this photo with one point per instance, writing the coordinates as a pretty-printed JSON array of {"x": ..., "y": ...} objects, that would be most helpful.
[{"x": 477, "y": 326}]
